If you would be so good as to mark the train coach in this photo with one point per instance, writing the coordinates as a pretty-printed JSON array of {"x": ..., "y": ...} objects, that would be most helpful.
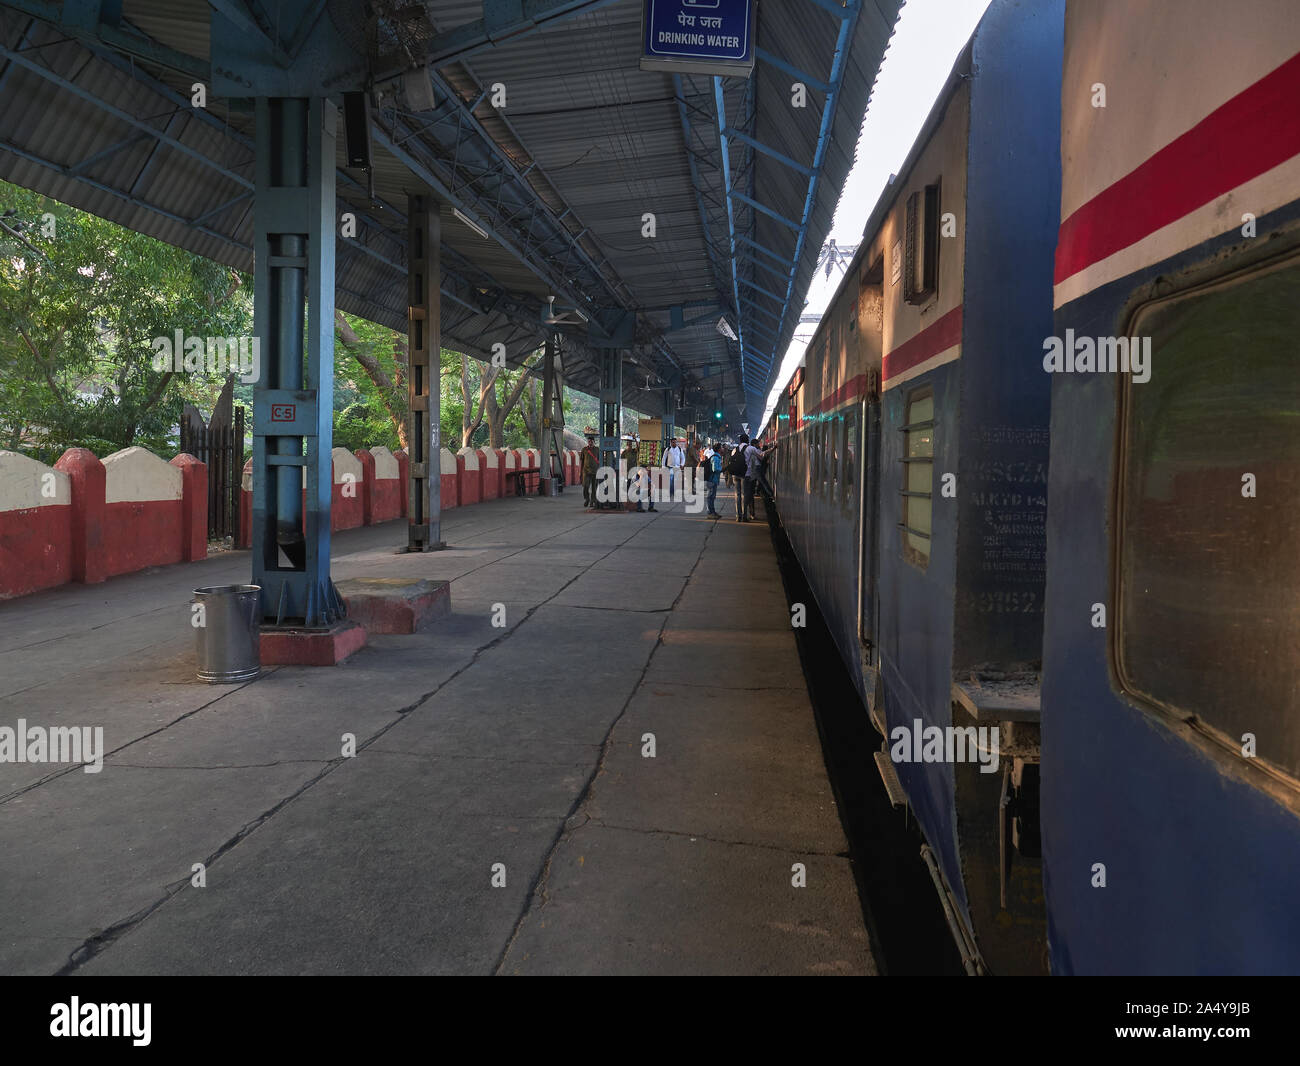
[
  {"x": 1103, "y": 255},
  {"x": 911, "y": 472},
  {"x": 1171, "y": 688}
]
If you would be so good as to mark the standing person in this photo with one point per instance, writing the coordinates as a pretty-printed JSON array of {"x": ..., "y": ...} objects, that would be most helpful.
[
  {"x": 737, "y": 465},
  {"x": 674, "y": 460},
  {"x": 764, "y": 482},
  {"x": 693, "y": 463},
  {"x": 630, "y": 465},
  {"x": 590, "y": 464},
  {"x": 646, "y": 480},
  {"x": 753, "y": 464},
  {"x": 712, "y": 475}
]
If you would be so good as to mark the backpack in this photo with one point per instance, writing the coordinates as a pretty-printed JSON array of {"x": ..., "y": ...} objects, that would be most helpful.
[
  {"x": 738, "y": 466},
  {"x": 715, "y": 464}
]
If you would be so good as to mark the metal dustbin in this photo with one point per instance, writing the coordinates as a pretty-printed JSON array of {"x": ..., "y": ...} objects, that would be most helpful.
[{"x": 226, "y": 633}]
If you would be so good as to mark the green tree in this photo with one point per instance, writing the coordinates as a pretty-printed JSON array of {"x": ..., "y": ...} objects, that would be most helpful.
[
  {"x": 373, "y": 400},
  {"x": 81, "y": 300}
]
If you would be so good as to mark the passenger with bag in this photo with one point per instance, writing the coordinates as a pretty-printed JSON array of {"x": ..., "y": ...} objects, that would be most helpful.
[
  {"x": 712, "y": 475},
  {"x": 737, "y": 465}
]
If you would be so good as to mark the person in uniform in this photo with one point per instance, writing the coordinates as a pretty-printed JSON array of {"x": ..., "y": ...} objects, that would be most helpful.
[
  {"x": 692, "y": 463},
  {"x": 629, "y": 467},
  {"x": 590, "y": 464}
]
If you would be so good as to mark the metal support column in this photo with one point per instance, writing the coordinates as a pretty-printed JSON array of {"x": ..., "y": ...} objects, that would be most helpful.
[
  {"x": 552, "y": 415},
  {"x": 423, "y": 383},
  {"x": 293, "y": 398},
  {"x": 611, "y": 413}
]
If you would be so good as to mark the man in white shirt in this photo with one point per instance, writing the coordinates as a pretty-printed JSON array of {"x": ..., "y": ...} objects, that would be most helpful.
[
  {"x": 753, "y": 460},
  {"x": 674, "y": 460}
]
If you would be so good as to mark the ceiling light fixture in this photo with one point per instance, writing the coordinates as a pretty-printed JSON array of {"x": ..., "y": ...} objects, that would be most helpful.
[{"x": 471, "y": 224}]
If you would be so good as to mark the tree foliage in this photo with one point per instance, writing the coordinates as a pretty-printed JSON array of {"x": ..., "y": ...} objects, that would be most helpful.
[
  {"x": 370, "y": 406},
  {"x": 81, "y": 299}
]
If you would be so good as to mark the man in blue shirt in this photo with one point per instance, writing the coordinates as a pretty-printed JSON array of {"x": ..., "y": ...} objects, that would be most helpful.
[{"x": 712, "y": 475}]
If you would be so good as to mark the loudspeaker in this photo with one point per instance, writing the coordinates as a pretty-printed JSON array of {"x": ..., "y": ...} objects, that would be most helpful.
[
  {"x": 417, "y": 88},
  {"x": 356, "y": 124}
]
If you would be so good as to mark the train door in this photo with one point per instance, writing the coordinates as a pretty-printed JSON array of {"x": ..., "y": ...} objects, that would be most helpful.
[
  {"x": 871, "y": 333},
  {"x": 870, "y": 481}
]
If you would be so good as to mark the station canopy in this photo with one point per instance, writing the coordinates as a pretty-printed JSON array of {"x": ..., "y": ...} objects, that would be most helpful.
[{"x": 552, "y": 154}]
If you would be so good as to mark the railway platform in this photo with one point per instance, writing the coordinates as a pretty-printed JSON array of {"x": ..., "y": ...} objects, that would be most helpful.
[{"x": 603, "y": 760}]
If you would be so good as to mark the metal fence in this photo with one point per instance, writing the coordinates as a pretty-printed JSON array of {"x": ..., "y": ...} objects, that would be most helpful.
[{"x": 222, "y": 449}]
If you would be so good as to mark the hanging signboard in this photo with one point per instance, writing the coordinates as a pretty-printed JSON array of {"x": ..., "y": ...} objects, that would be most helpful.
[{"x": 699, "y": 36}]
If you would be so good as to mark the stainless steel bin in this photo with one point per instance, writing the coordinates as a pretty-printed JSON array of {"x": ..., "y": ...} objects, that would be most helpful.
[{"x": 226, "y": 633}]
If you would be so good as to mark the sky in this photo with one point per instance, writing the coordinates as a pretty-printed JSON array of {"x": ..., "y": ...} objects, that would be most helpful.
[{"x": 926, "y": 40}]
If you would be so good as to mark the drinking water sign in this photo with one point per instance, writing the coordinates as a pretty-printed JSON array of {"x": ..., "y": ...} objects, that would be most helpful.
[{"x": 699, "y": 36}]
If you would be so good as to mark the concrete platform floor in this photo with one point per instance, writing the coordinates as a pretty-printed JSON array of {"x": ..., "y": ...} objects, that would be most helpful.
[{"x": 498, "y": 816}]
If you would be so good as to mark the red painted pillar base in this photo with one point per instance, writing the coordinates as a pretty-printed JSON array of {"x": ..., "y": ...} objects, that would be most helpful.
[{"x": 282, "y": 646}]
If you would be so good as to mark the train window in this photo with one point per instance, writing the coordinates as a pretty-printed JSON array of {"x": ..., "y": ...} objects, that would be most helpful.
[
  {"x": 918, "y": 475},
  {"x": 814, "y": 467},
  {"x": 822, "y": 453},
  {"x": 828, "y": 430},
  {"x": 833, "y": 451},
  {"x": 1209, "y": 502},
  {"x": 921, "y": 245}
]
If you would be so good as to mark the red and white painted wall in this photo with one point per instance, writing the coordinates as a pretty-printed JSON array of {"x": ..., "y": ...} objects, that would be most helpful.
[
  {"x": 450, "y": 480},
  {"x": 35, "y": 525},
  {"x": 86, "y": 519},
  {"x": 384, "y": 485},
  {"x": 469, "y": 476}
]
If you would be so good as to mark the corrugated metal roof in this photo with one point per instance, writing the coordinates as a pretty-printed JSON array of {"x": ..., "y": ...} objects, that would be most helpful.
[{"x": 598, "y": 141}]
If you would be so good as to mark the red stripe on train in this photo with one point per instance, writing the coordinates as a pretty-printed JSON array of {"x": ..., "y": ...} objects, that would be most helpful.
[
  {"x": 850, "y": 390},
  {"x": 1255, "y": 131},
  {"x": 938, "y": 336}
]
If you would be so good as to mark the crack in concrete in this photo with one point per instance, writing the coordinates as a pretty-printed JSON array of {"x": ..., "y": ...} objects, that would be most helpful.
[
  {"x": 797, "y": 853},
  {"x": 220, "y": 766},
  {"x": 733, "y": 688},
  {"x": 144, "y": 736},
  {"x": 434, "y": 757},
  {"x": 97, "y": 944},
  {"x": 537, "y": 892},
  {"x": 616, "y": 610}
]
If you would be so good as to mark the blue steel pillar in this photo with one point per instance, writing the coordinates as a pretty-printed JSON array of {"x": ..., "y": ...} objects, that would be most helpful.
[
  {"x": 293, "y": 398},
  {"x": 611, "y": 414},
  {"x": 423, "y": 383}
]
